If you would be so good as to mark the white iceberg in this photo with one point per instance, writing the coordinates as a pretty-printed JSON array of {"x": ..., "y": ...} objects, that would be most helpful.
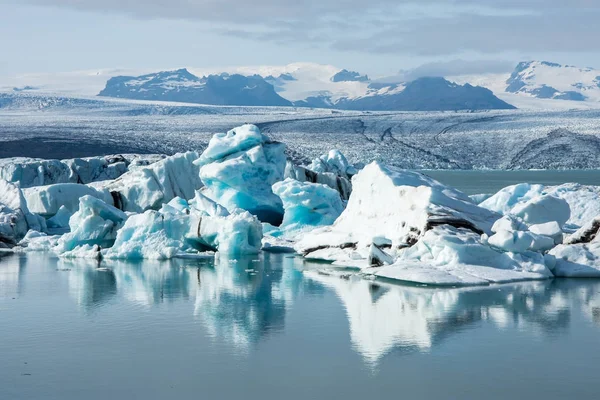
[
  {"x": 15, "y": 218},
  {"x": 583, "y": 201},
  {"x": 307, "y": 205},
  {"x": 47, "y": 200},
  {"x": 395, "y": 206},
  {"x": 579, "y": 257},
  {"x": 95, "y": 223},
  {"x": 239, "y": 168},
  {"x": 30, "y": 172},
  {"x": 449, "y": 256},
  {"x": 149, "y": 187}
]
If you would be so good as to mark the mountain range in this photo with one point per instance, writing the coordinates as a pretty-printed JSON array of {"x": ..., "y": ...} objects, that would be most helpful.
[
  {"x": 423, "y": 94},
  {"x": 532, "y": 84}
]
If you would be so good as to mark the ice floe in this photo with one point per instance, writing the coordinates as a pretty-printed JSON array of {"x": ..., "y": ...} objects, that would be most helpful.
[{"x": 15, "y": 218}]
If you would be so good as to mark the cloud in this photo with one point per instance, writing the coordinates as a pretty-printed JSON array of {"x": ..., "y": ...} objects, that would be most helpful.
[
  {"x": 451, "y": 68},
  {"x": 423, "y": 28}
]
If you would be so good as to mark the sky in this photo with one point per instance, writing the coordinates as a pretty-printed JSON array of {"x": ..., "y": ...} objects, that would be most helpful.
[{"x": 378, "y": 37}]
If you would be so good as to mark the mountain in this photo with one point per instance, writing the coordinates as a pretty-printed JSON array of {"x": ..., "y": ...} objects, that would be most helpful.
[
  {"x": 351, "y": 91},
  {"x": 183, "y": 86},
  {"x": 547, "y": 80},
  {"x": 430, "y": 94}
]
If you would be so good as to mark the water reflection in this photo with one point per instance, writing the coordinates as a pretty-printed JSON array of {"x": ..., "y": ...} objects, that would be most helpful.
[
  {"x": 384, "y": 317},
  {"x": 242, "y": 301},
  {"x": 245, "y": 299}
]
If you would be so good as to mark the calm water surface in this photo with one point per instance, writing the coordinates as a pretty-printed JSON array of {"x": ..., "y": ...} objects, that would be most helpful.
[
  {"x": 476, "y": 182},
  {"x": 259, "y": 328}
]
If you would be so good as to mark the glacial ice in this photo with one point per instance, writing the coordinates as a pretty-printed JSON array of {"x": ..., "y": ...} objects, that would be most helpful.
[
  {"x": 239, "y": 168},
  {"x": 47, "y": 200},
  {"x": 95, "y": 223},
  {"x": 396, "y": 205},
  {"x": 150, "y": 235},
  {"x": 340, "y": 183},
  {"x": 15, "y": 218},
  {"x": 456, "y": 256},
  {"x": 164, "y": 234},
  {"x": 583, "y": 201},
  {"x": 307, "y": 204},
  {"x": 333, "y": 162},
  {"x": 30, "y": 172},
  {"x": 148, "y": 187},
  {"x": 579, "y": 256}
]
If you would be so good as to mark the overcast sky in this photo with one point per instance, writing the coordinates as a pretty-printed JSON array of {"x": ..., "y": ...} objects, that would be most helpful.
[{"x": 377, "y": 37}]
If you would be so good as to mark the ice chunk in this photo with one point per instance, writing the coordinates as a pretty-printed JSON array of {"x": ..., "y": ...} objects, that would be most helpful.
[
  {"x": 520, "y": 241},
  {"x": 333, "y": 162},
  {"x": 542, "y": 209},
  {"x": 15, "y": 218},
  {"x": 551, "y": 229},
  {"x": 235, "y": 234},
  {"x": 236, "y": 140},
  {"x": 151, "y": 235},
  {"x": 584, "y": 201},
  {"x": 207, "y": 206},
  {"x": 162, "y": 235},
  {"x": 96, "y": 223},
  {"x": 509, "y": 223},
  {"x": 239, "y": 169},
  {"x": 449, "y": 256},
  {"x": 38, "y": 241},
  {"x": 576, "y": 260},
  {"x": 340, "y": 183},
  {"x": 378, "y": 257},
  {"x": 30, "y": 172},
  {"x": 586, "y": 233},
  {"x": 397, "y": 205},
  {"x": 47, "y": 200},
  {"x": 84, "y": 251},
  {"x": 307, "y": 204},
  {"x": 61, "y": 219},
  {"x": 147, "y": 188}
]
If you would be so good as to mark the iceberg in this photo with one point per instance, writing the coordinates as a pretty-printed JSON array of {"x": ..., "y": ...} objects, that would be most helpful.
[
  {"x": 95, "y": 223},
  {"x": 174, "y": 229},
  {"x": 449, "y": 256},
  {"x": 333, "y": 162},
  {"x": 48, "y": 200},
  {"x": 583, "y": 201},
  {"x": 579, "y": 256},
  {"x": 396, "y": 207},
  {"x": 15, "y": 218},
  {"x": 149, "y": 187},
  {"x": 239, "y": 168},
  {"x": 307, "y": 205},
  {"x": 30, "y": 172}
]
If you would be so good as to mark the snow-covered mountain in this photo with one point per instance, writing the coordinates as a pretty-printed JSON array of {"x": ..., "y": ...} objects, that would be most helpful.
[
  {"x": 533, "y": 85},
  {"x": 342, "y": 89},
  {"x": 547, "y": 80},
  {"x": 182, "y": 86}
]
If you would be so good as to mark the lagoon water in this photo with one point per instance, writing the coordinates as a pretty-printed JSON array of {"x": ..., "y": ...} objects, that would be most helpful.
[
  {"x": 272, "y": 327},
  {"x": 261, "y": 328}
]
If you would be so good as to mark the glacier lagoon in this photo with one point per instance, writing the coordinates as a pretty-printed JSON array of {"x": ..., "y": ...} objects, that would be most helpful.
[{"x": 271, "y": 326}]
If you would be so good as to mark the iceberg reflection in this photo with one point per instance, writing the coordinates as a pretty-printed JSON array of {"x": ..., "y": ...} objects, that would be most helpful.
[
  {"x": 244, "y": 300},
  {"x": 384, "y": 317}
]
